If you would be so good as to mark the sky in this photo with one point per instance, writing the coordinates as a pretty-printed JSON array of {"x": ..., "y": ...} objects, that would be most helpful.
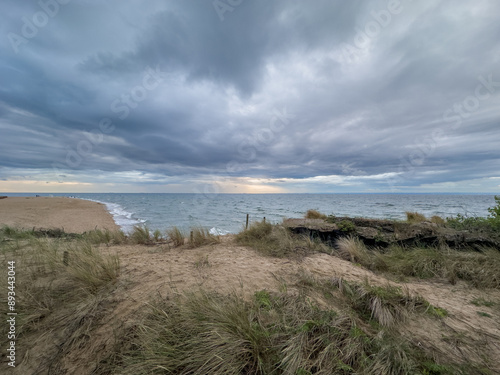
[{"x": 250, "y": 96}]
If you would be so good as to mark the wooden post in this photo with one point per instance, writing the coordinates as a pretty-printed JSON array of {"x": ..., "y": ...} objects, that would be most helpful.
[
  {"x": 65, "y": 258},
  {"x": 246, "y": 226},
  {"x": 264, "y": 219},
  {"x": 191, "y": 237}
]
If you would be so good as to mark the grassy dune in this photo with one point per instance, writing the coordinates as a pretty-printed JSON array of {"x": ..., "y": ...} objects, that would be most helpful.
[{"x": 68, "y": 288}]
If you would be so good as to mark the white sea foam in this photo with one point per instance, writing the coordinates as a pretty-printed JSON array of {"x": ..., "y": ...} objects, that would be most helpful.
[
  {"x": 122, "y": 218},
  {"x": 218, "y": 232}
]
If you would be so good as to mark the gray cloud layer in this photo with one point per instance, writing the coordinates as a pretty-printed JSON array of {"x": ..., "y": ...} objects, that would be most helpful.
[{"x": 284, "y": 91}]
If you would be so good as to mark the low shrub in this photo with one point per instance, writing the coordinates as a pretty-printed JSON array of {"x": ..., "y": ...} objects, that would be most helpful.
[
  {"x": 489, "y": 225},
  {"x": 494, "y": 212},
  {"x": 346, "y": 226},
  {"x": 331, "y": 219},
  {"x": 471, "y": 223}
]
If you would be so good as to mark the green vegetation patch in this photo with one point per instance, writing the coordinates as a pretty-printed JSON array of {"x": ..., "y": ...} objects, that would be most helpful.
[
  {"x": 346, "y": 226},
  {"x": 277, "y": 241},
  {"x": 489, "y": 225},
  {"x": 479, "y": 269},
  {"x": 482, "y": 302},
  {"x": 481, "y": 313}
]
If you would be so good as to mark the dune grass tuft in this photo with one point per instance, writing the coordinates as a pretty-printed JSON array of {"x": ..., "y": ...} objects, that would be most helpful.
[
  {"x": 8, "y": 233},
  {"x": 157, "y": 236},
  {"x": 352, "y": 249},
  {"x": 258, "y": 230},
  {"x": 279, "y": 333},
  {"x": 141, "y": 235},
  {"x": 200, "y": 237},
  {"x": 388, "y": 305},
  {"x": 314, "y": 214},
  {"x": 176, "y": 236},
  {"x": 415, "y": 217},
  {"x": 90, "y": 269},
  {"x": 105, "y": 236},
  {"x": 62, "y": 290},
  {"x": 480, "y": 269},
  {"x": 438, "y": 220},
  {"x": 278, "y": 241},
  {"x": 203, "y": 333}
]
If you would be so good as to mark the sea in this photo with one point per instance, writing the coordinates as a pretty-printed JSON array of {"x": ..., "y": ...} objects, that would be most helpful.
[{"x": 226, "y": 213}]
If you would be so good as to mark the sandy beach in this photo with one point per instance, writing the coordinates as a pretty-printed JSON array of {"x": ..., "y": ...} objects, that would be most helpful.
[{"x": 74, "y": 215}]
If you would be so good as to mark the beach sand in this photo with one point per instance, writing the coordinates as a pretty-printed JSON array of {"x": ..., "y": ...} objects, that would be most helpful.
[{"x": 73, "y": 215}]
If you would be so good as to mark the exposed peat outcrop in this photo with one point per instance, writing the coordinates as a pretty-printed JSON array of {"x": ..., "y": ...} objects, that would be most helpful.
[{"x": 382, "y": 233}]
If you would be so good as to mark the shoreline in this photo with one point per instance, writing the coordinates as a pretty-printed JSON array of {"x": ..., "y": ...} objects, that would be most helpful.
[
  {"x": 74, "y": 215},
  {"x": 122, "y": 218}
]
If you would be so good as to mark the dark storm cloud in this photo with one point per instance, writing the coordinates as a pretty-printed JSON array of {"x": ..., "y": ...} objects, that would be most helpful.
[{"x": 367, "y": 89}]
